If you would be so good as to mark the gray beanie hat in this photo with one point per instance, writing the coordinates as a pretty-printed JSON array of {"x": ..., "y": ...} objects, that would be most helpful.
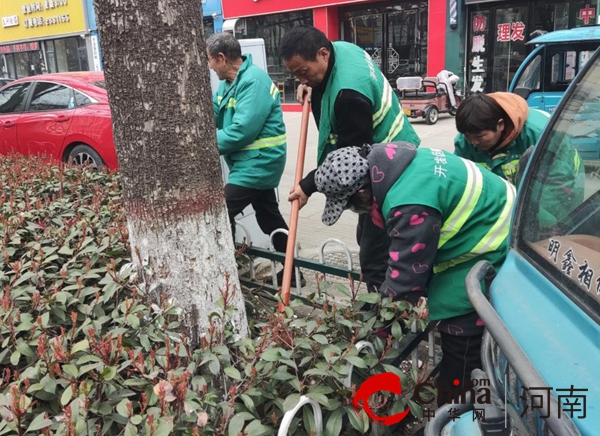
[{"x": 342, "y": 174}]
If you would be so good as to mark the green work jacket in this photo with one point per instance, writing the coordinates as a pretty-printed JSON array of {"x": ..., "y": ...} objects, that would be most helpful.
[{"x": 250, "y": 128}]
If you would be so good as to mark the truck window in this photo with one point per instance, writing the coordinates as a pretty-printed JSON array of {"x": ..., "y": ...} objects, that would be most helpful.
[
  {"x": 530, "y": 79},
  {"x": 560, "y": 224},
  {"x": 563, "y": 67}
]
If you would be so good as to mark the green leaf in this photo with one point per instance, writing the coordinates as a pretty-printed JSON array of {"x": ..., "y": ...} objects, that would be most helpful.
[
  {"x": 271, "y": 355},
  {"x": 371, "y": 298},
  {"x": 358, "y": 419},
  {"x": 255, "y": 428},
  {"x": 356, "y": 361},
  {"x": 281, "y": 375},
  {"x": 49, "y": 384},
  {"x": 131, "y": 429},
  {"x": 236, "y": 424},
  {"x": 122, "y": 408},
  {"x": 14, "y": 358},
  {"x": 66, "y": 396},
  {"x": 321, "y": 339},
  {"x": 136, "y": 419},
  {"x": 290, "y": 402},
  {"x": 71, "y": 370},
  {"x": 310, "y": 326},
  {"x": 39, "y": 422},
  {"x": 164, "y": 428},
  {"x": 233, "y": 373},
  {"x": 397, "y": 371},
  {"x": 65, "y": 250},
  {"x": 416, "y": 409},
  {"x": 109, "y": 373},
  {"x": 319, "y": 398},
  {"x": 397, "y": 330},
  {"x": 248, "y": 402},
  {"x": 321, "y": 389},
  {"x": 133, "y": 321},
  {"x": 80, "y": 346},
  {"x": 334, "y": 424},
  {"x": 24, "y": 349}
]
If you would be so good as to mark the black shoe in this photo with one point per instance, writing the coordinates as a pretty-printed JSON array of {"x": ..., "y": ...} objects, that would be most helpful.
[{"x": 269, "y": 279}]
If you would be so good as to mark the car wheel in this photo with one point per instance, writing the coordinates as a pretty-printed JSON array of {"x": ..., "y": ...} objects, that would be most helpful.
[
  {"x": 431, "y": 116},
  {"x": 84, "y": 154}
]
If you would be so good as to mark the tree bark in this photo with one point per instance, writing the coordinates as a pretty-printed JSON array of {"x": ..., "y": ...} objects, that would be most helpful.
[{"x": 163, "y": 122}]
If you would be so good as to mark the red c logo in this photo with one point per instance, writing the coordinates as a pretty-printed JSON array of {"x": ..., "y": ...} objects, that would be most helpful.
[{"x": 386, "y": 382}]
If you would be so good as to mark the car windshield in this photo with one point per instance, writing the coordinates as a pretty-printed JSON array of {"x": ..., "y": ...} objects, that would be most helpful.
[{"x": 100, "y": 84}]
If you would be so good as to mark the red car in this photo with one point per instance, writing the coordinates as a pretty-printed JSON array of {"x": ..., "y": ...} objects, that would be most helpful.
[{"x": 64, "y": 116}]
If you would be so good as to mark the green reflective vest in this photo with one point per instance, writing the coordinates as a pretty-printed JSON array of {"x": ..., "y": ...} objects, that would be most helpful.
[
  {"x": 476, "y": 209},
  {"x": 505, "y": 161},
  {"x": 250, "y": 128},
  {"x": 354, "y": 69}
]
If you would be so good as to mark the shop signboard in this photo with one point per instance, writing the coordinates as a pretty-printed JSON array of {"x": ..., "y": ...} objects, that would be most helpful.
[
  {"x": 18, "y": 48},
  {"x": 42, "y": 18},
  {"x": 478, "y": 52}
]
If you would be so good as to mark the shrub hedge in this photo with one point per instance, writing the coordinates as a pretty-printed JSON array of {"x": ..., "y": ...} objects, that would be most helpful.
[{"x": 84, "y": 351}]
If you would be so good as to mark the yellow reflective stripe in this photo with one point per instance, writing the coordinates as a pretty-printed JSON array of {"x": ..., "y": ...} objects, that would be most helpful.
[
  {"x": 266, "y": 142},
  {"x": 230, "y": 103},
  {"x": 577, "y": 161},
  {"x": 274, "y": 90},
  {"x": 386, "y": 104},
  {"x": 396, "y": 127},
  {"x": 499, "y": 231},
  {"x": 510, "y": 168},
  {"x": 465, "y": 206},
  {"x": 494, "y": 237},
  {"x": 219, "y": 99}
]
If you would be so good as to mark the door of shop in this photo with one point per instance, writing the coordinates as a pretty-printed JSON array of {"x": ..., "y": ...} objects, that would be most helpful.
[{"x": 394, "y": 36}]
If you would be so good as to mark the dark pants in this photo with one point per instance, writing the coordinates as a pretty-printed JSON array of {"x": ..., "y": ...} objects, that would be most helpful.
[
  {"x": 461, "y": 347},
  {"x": 374, "y": 246},
  {"x": 264, "y": 203}
]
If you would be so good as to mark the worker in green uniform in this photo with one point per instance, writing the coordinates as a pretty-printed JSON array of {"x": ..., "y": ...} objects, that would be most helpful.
[
  {"x": 443, "y": 215},
  {"x": 496, "y": 129},
  {"x": 250, "y": 136},
  {"x": 353, "y": 104}
]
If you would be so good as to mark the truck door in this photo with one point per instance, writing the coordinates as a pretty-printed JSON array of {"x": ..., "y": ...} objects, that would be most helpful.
[{"x": 529, "y": 79}]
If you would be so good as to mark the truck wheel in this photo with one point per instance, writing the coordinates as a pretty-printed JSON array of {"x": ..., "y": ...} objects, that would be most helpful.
[{"x": 431, "y": 116}]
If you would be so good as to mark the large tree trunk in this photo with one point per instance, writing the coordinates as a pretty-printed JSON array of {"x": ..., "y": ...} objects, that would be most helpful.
[{"x": 160, "y": 96}]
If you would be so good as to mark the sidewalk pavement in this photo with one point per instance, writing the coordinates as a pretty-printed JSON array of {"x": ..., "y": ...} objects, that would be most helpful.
[{"x": 311, "y": 231}]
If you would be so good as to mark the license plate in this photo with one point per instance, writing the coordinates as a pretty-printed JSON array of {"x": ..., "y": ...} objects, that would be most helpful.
[{"x": 407, "y": 112}]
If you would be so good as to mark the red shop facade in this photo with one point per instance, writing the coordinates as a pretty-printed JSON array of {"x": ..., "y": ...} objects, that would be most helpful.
[{"x": 405, "y": 37}]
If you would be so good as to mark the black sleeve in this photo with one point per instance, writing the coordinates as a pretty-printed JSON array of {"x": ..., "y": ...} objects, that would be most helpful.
[
  {"x": 414, "y": 231},
  {"x": 354, "y": 115}
]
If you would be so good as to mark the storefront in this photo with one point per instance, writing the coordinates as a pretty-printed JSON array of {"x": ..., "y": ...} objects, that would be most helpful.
[
  {"x": 497, "y": 32},
  {"x": 393, "y": 33},
  {"x": 45, "y": 37},
  {"x": 405, "y": 37}
]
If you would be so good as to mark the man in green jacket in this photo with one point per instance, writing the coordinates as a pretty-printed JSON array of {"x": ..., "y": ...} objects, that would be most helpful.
[
  {"x": 250, "y": 135},
  {"x": 496, "y": 129},
  {"x": 353, "y": 104}
]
